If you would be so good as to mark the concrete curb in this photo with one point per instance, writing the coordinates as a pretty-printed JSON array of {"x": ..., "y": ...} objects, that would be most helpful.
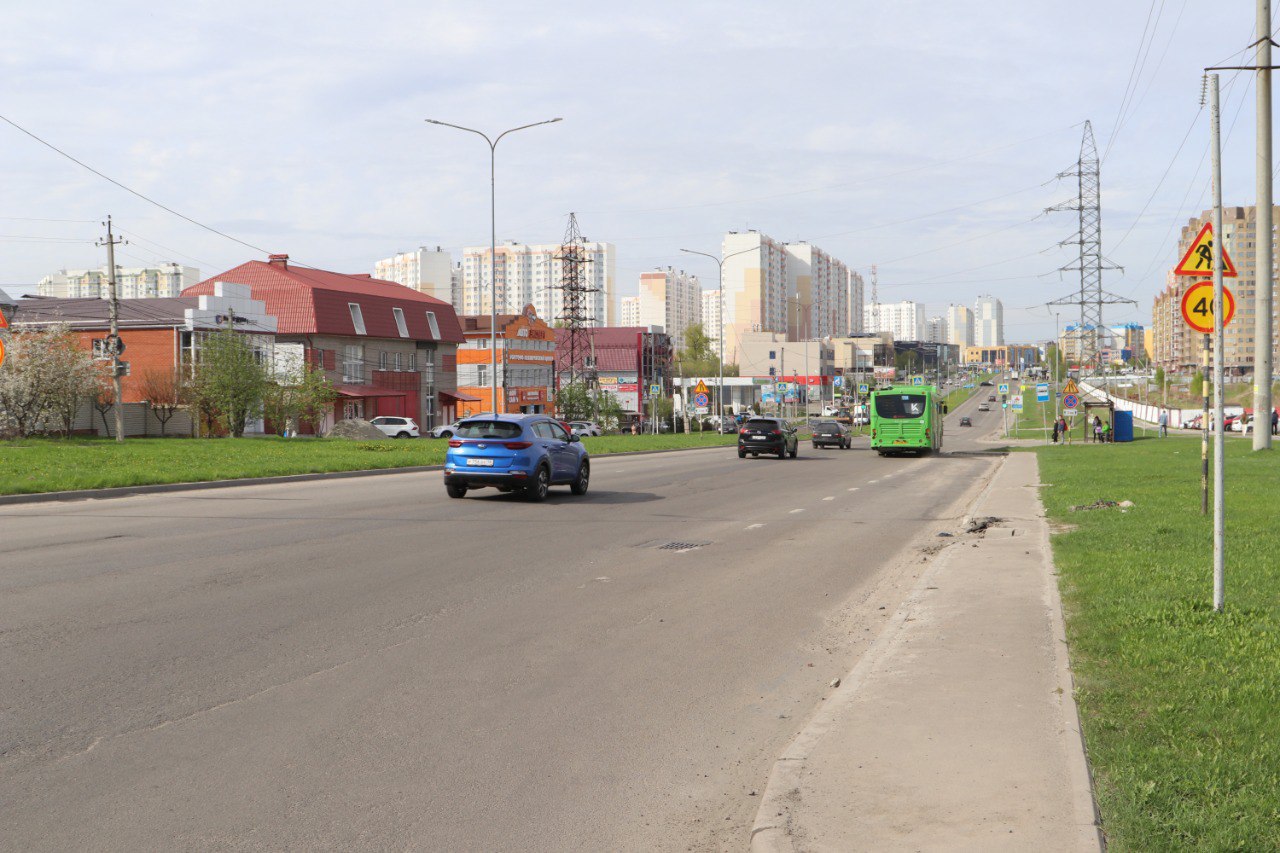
[
  {"x": 771, "y": 830},
  {"x": 160, "y": 488}
]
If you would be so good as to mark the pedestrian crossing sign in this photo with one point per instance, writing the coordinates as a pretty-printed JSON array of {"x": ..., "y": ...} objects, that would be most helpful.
[{"x": 1199, "y": 257}]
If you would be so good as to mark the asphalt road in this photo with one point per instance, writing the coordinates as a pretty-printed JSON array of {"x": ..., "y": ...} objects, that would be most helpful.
[{"x": 366, "y": 664}]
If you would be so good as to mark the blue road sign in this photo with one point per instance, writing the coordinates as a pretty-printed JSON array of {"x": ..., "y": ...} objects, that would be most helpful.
[
  {"x": 1004, "y": 388},
  {"x": 701, "y": 400},
  {"x": 917, "y": 380},
  {"x": 1042, "y": 392},
  {"x": 655, "y": 389},
  {"x": 837, "y": 381},
  {"x": 1070, "y": 401},
  {"x": 863, "y": 388}
]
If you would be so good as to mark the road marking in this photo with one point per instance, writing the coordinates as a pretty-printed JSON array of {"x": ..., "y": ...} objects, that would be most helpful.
[
  {"x": 853, "y": 489},
  {"x": 829, "y": 499},
  {"x": 753, "y": 527},
  {"x": 870, "y": 482},
  {"x": 794, "y": 511}
]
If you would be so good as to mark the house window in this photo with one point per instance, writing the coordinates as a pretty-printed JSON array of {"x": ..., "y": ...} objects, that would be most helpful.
[
  {"x": 353, "y": 364},
  {"x": 382, "y": 360},
  {"x": 357, "y": 317},
  {"x": 401, "y": 326},
  {"x": 413, "y": 361},
  {"x": 435, "y": 328},
  {"x": 398, "y": 362}
]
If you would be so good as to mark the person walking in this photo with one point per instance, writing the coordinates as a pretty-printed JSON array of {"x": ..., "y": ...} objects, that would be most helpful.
[
  {"x": 1164, "y": 423},
  {"x": 1097, "y": 428},
  {"x": 1055, "y": 430},
  {"x": 1275, "y": 420}
]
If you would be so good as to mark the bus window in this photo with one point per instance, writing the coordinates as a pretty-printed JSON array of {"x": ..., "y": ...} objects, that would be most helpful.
[{"x": 897, "y": 406}]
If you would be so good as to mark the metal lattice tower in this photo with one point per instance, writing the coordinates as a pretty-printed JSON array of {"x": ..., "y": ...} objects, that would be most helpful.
[
  {"x": 576, "y": 289},
  {"x": 875, "y": 301},
  {"x": 1090, "y": 263}
]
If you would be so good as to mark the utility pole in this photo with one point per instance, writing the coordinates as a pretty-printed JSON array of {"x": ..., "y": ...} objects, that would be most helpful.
[
  {"x": 113, "y": 339},
  {"x": 1218, "y": 426},
  {"x": 1262, "y": 330}
]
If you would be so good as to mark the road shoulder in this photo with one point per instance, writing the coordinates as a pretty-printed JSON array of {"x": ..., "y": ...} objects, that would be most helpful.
[{"x": 958, "y": 728}]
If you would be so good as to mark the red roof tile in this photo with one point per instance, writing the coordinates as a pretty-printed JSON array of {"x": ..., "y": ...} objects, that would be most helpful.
[
  {"x": 310, "y": 301},
  {"x": 617, "y": 348}
]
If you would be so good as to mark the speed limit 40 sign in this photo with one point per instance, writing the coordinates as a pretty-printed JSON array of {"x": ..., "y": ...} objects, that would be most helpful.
[{"x": 1197, "y": 306}]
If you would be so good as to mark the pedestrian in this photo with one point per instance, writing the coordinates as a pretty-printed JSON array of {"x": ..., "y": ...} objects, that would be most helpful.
[
  {"x": 1097, "y": 428},
  {"x": 1164, "y": 423},
  {"x": 1275, "y": 420},
  {"x": 1106, "y": 432},
  {"x": 1055, "y": 431}
]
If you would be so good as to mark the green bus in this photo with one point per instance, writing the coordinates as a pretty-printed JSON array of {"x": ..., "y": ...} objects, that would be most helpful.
[{"x": 906, "y": 419}]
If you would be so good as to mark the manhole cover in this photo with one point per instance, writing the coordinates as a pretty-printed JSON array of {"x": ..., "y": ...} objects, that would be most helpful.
[{"x": 682, "y": 546}]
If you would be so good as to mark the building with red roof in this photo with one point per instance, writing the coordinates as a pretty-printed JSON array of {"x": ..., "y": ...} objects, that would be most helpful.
[
  {"x": 626, "y": 361},
  {"x": 387, "y": 349}
]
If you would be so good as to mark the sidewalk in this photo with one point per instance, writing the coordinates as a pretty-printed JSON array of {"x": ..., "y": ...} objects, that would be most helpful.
[{"x": 957, "y": 729}]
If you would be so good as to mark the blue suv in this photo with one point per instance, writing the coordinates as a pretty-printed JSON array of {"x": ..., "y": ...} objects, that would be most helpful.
[{"x": 525, "y": 453}]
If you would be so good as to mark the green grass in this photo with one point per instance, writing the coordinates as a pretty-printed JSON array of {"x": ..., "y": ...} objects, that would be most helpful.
[
  {"x": 52, "y": 465},
  {"x": 1180, "y": 704}
]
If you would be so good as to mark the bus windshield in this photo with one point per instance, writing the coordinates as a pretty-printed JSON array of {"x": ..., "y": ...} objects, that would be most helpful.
[{"x": 900, "y": 405}]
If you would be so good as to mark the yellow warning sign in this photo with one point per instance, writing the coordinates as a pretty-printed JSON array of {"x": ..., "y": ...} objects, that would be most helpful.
[
  {"x": 1071, "y": 387},
  {"x": 1199, "y": 258},
  {"x": 702, "y": 388}
]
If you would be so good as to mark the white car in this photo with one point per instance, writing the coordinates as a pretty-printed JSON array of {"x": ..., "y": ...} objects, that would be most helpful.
[
  {"x": 445, "y": 430},
  {"x": 581, "y": 428},
  {"x": 396, "y": 427}
]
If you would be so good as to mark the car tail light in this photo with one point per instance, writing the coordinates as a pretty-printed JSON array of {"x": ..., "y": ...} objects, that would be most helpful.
[
  {"x": 873, "y": 434},
  {"x": 776, "y": 432},
  {"x": 926, "y": 433},
  {"x": 453, "y": 442},
  {"x": 517, "y": 445}
]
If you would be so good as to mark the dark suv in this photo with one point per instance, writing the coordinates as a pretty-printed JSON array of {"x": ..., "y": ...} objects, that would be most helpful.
[{"x": 768, "y": 435}]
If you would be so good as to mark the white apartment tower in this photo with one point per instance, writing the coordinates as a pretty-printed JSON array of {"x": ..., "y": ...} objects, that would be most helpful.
[
  {"x": 428, "y": 271},
  {"x": 935, "y": 330},
  {"x": 818, "y": 287},
  {"x": 857, "y": 305},
  {"x": 530, "y": 274},
  {"x": 904, "y": 320},
  {"x": 671, "y": 299},
  {"x": 166, "y": 280},
  {"x": 711, "y": 317},
  {"x": 959, "y": 326},
  {"x": 988, "y": 322},
  {"x": 630, "y": 311},
  {"x": 755, "y": 287}
]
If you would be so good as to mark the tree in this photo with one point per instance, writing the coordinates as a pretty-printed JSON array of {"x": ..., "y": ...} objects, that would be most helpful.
[
  {"x": 163, "y": 392},
  {"x": 575, "y": 403},
  {"x": 229, "y": 380},
  {"x": 698, "y": 358},
  {"x": 45, "y": 375},
  {"x": 73, "y": 376},
  {"x": 608, "y": 411},
  {"x": 297, "y": 396}
]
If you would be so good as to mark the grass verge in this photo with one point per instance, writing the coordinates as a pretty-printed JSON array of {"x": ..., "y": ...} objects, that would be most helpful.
[
  {"x": 1178, "y": 702},
  {"x": 54, "y": 465}
]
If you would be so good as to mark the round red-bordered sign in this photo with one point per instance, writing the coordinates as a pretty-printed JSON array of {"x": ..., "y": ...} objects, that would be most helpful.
[{"x": 1197, "y": 306}]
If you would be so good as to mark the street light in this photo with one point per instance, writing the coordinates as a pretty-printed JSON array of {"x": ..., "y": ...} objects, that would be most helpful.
[
  {"x": 720, "y": 320},
  {"x": 493, "y": 240}
]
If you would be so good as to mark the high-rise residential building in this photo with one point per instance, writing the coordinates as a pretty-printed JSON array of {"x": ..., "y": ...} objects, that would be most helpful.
[
  {"x": 160, "y": 282},
  {"x": 629, "y": 311},
  {"x": 818, "y": 293},
  {"x": 935, "y": 330},
  {"x": 671, "y": 299},
  {"x": 959, "y": 325},
  {"x": 857, "y": 304},
  {"x": 428, "y": 271},
  {"x": 904, "y": 320},
  {"x": 711, "y": 316},
  {"x": 530, "y": 274},
  {"x": 1175, "y": 344},
  {"x": 988, "y": 322},
  {"x": 755, "y": 287}
]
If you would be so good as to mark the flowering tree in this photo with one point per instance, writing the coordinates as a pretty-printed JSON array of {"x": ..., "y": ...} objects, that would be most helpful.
[{"x": 45, "y": 376}]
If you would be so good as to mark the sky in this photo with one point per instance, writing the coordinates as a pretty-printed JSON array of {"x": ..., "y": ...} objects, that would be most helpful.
[{"x": 923, "y": 138}]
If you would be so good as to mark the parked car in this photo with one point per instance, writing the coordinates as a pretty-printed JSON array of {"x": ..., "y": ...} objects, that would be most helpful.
[
  {"x": 584, "y": 428},
  {"x": 768, "y": 435},
  {"x": 827, "y": 433},
  {"x": 991, "y": 398},
  {"x": 396, "y": 427},
  {"x": 983, "y": 407},
  {"x": 966, "y": 421},
  {"x": 445, "y": 430},
  {"x": 515, "y": 453}
]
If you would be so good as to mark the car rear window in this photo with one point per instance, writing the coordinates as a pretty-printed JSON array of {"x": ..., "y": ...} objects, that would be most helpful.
[
  {"x": 488, "y": 429},
  {"x": 827, "y": 425},
  {"x": 761, "y": 423}
]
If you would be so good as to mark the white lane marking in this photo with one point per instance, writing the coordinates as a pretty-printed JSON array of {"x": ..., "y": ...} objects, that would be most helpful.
[
  {"x": 869, "y": 482},
  {"x": 829, "y": 499},
  {"x": 753, "y": 527},
  {"x": 794, "y": 511},
  {"x": 853, "y": 489}
]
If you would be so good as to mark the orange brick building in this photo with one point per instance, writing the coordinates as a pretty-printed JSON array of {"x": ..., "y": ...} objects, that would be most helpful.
[{"x": 526, "y": 364}]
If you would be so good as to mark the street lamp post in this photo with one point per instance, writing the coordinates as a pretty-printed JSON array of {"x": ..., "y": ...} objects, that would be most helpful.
[
  {"x": 493, "y": 240},
  {"x": 720, "y": 324}
]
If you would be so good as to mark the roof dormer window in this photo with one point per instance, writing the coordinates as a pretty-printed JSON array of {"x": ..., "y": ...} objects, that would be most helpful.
[
  {"x": 401, "y": 326},
  {"x": 357, "y": 317}
]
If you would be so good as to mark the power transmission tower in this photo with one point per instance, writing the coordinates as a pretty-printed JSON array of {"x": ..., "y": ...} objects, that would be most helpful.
[
  {"x": 576, "y": 289},
  {"x": 875, "y": 302},
  {"x": 113, "y": 345},
  {"x": 1090, "y": 263}
]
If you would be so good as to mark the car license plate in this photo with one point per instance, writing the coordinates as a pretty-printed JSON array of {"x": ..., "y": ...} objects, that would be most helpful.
[
  {"x": 827, "y": 435},
  {"x": 480, "y": 463},
  {"x": 899, "y": 441},
  {"x": 758, "y": 438}
]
